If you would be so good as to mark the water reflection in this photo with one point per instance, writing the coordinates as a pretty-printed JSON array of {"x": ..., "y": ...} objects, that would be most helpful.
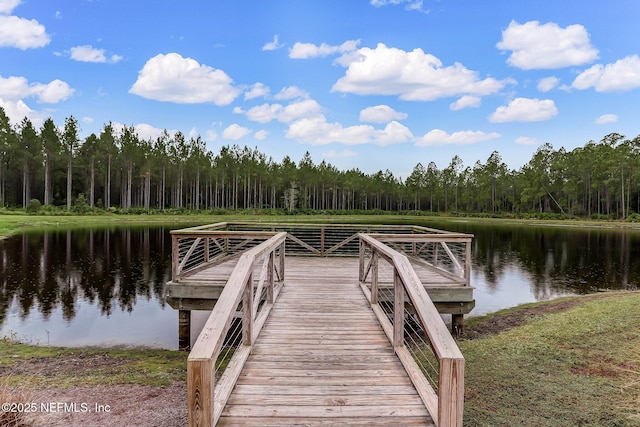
[
  {"x": 105, "y": 286},
  {"x": 518, "y": 264},
  {"x": 57, "y": 274}
]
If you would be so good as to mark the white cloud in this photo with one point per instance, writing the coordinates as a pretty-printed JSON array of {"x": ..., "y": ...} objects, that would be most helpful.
[
  {"x": 381, "y": 114},
  {"x": 413, "y": 5},
  {"x": 273, "y": 45},
  {"x": 87, "y": 120},
  {"x": 172, "y": 78},
  {"x": 310, "y": 50},
  {"x": 466, "y": 101},
  {"x": 606, "y": 118},
  {"x": 16, "y": 88},
  {"x": 144, "y": 131},
  {"x": 235, "y": 132},
  {"x": 622, "y": 75},
  {"x": 440, "y": 137},
  {"x": 413, "y": 76},
  {"x": 525, "y": 110},
  {"x": 526, "y": 140},
  {"x": 211, "y": 135},
  {"x": 7, "y": 6},
  {"x": 88, "y": 53},
  {"x": 261, "y": 135},
  {"x": 291, "y": 92},
  {"x": 317, "y": 131},
  {"x": 296, "y": 110},
  {"x": 17, "y": 110},
  {"x": 335, "y": 154},
  {"x": 548, "y": 83},
  {"x": 22, "y": 33},
  {"x": 546, "y": 46},
  {"x": 257, "y": 90}
]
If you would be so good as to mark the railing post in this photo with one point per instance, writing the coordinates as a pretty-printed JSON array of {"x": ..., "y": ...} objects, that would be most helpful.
[
  {"x": 174, "y": 257},
  {"x": 321, "y": 241},
  {"x": 398, "y": 310},
  {"x": 361, "y": 248},
  {"x": 270, "y": 291},
  {"x": 283, "y": 251},
  {"x": 374, "y": 277},
  {"x": 467, "y": 263},
  {"x": 435, "y": 253},
  {"x": 200, "y": 387},
  {"x": 206, "y": 249},
  {"x": 247, "y": 312},
  {"x": 451, "y": 392}
]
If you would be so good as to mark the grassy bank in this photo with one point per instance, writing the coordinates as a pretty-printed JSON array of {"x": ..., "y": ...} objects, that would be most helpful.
[
  {"x": 569, "y": 362},
  {"x": 15, "y": 222}
]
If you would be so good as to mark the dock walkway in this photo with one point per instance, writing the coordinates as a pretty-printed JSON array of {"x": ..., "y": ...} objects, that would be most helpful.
[{"x": 323, "y": 358}]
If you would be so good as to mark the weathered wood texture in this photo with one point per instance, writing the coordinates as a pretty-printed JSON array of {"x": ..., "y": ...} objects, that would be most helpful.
[{"x": 322, "y": 358}]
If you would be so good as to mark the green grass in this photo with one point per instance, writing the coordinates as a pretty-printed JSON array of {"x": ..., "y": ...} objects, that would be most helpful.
[
  {"x": 36, "y": 366},
  {"x": 580, "y": 366}
]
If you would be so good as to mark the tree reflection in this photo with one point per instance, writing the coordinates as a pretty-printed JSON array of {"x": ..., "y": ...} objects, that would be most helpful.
[{"x": 51, "y": 270}]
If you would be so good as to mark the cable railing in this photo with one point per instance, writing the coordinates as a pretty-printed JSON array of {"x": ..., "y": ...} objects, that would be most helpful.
[
  {"x": 226, "y": 340},
  {"x": 419, "y": 336}
]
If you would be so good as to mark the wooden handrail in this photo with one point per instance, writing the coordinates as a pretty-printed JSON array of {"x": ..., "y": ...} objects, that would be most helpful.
[
  {"x": 448, "y": 408},
  {"x": 206, "y": 398}
]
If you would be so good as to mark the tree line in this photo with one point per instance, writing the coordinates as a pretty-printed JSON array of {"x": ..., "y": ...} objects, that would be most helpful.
[{"x": 117, "y": 169}]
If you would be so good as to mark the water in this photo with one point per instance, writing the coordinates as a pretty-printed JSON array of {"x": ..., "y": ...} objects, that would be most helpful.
[{"x": 105, "y": 286}]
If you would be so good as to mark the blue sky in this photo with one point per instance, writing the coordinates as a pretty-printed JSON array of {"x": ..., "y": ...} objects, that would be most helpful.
[{"x": 372, "y": 84}]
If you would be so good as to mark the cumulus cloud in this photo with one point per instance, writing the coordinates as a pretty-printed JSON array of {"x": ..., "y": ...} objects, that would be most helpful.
[
  {"x": 381, "y": 114},
  {"x": 261, "y": 135},
  {"x": 466, "y": 101},
  {"x": 273, "y": 45},
  {"x": 16, "y": 88},
  {"x": 310, "y": 50},
  {"x": 172, "y": 78},
  {"x": 257, "y": 90},
  {"x": 88, "y": 53},
  {"x": 296, "y": 110},
  {"x": 622, "y": 75},
  {"x": 7, "y": 6},
  {"x": 525, "y": 110},
  {"x": 440, "y": 137},
  {"x": 317, "y": 131},
  {"x": 235, "y": 132},
  {"x": 22, "y": 33},
  {"x": 335, "y": 154},
  {"x": 548, "y": 83},
  {"x": 144, "y": 131},
  {"x": 291, "y": 92},
  {"x": 606, "y": 118},
  {"x": 526, "y": 140},
  {"x": 17, "y": 110},
  {"x": 545, "y": 46},
  {"x": 413, "y": 76}
]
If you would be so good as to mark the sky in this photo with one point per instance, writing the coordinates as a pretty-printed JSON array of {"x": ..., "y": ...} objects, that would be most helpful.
[{"x": 367, "y": 84}]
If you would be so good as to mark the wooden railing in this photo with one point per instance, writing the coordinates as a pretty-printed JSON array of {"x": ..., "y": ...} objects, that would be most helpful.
[
  {"x": 249, "y": 298},
  {"x": 425, "y": 248},
  {"x": 447, "y": 404},
  {"x": 194, "y": 249}
]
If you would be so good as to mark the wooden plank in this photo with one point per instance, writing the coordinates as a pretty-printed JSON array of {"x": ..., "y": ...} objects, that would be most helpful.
[
  {"x": 329, "y": 411},
  {"x": 340, "y": 421}
]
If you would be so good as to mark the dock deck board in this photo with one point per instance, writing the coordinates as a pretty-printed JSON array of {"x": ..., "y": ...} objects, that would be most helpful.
[{"x": 322, "y": 358}]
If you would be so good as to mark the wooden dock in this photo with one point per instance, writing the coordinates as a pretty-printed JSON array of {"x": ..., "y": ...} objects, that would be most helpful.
[
  {"x": 323, "y": 358},
  {"x": 348, "y": 339}
]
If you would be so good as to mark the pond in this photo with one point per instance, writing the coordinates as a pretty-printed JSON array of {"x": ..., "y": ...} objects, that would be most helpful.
[{"x": 105, "y": 286}]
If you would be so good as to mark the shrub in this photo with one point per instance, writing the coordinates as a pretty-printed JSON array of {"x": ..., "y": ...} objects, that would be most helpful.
[{"x": 33, "y": 207}]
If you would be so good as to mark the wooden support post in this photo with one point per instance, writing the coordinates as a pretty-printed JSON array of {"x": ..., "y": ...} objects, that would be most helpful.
[
  {"x": 467, "y": 263},
  {"x": 200, "y": 387},
  {"x": 206, "y": 249},
  {"x": 457, "y": 325},
  {"x": 398, "y": 310},
  {"x": 283, "y": 251},
  {"x": 451, "y": 392},
  {"x": 361, "y": 248},
  {"x": 321, "y": 241},
  {"x": 184, "y": 330}
]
